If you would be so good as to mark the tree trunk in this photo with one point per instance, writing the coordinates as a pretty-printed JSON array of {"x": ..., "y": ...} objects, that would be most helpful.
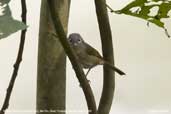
[{"x": 51, "y": 78}]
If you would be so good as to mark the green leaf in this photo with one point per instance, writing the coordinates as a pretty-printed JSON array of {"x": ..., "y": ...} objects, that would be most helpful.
[
  {"x": 142, "y": 9},
  {"x": 8, "y": 25}
]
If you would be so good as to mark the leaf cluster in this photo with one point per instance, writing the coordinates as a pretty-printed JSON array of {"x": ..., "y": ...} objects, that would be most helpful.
[
  {"x": 142, "y": 9},
  {"x": 8, "y": 24}
]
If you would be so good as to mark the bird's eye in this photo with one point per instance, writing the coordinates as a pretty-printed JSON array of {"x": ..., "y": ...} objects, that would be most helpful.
[
  {"x": 70, "y": 40},
  {"x": 79, "y": 40}
]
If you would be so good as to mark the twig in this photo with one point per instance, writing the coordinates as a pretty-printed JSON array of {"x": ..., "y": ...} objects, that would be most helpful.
[
  {"x": 78, "y": 70},
  {"x": 111, "y": 10},
  {"x": 18, "y": 61},
  {"x": 166, "y": 32}
]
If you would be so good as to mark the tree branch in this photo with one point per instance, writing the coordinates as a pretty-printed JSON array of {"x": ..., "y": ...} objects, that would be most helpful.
[
  {"x": 18, "y": 61},
  {"x": 78, "y": 70},
  {"x": 107, "y": 48}
]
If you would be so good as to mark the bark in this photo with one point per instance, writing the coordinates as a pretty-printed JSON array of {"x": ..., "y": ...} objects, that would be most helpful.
[
  {"x": 107, "y": 48},
  {"x": 51, "y": 77}
]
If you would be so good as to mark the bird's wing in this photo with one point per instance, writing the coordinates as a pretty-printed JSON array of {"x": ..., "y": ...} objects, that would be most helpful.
[{"x": 91, "y": 51}]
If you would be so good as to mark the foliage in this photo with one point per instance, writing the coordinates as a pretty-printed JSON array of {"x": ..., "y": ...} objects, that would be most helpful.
[
  {"x": 145, "y": 9},
  {"x": 8, "y": 25}
]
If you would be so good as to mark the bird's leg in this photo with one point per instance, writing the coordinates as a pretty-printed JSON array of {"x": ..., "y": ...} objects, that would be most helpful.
[
  {"x": 88, "y": 72},
  {"x": 86, "y": 76}
]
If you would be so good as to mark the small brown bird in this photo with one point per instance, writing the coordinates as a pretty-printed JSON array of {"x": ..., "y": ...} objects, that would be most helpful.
[{"x": 88, "y": 57}]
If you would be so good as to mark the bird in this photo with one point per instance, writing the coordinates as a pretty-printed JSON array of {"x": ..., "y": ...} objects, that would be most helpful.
[{"x": 87, "y": 56}]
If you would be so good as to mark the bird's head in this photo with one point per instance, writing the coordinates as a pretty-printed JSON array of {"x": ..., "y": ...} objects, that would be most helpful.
[{"x": 75, "y": 39}]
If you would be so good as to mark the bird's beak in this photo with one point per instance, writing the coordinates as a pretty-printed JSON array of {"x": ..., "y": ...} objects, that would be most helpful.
[{"x": 75, "y": 44}]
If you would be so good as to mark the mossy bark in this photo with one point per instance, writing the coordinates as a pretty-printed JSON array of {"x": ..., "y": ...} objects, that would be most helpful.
[{"x": 51, "y": 77}]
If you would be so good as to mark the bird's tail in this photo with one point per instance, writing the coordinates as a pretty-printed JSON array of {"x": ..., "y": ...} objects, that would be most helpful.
[{"x": 120, "y": 72}]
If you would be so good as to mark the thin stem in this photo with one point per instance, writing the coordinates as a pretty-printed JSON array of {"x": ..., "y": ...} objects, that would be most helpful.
[
  {"x": 111, "y": 10},
  {"x": 18, "y": 61}
]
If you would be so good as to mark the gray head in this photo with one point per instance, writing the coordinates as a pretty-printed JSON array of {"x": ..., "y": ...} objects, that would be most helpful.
[{"x": 75, "y": 39}]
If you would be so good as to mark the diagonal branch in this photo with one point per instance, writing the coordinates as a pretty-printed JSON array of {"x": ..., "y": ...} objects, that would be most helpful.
[
  {"x": 78, "y": 70},
  {"x": 18, "y": 61}
]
